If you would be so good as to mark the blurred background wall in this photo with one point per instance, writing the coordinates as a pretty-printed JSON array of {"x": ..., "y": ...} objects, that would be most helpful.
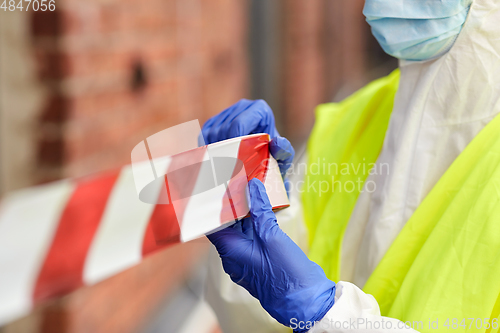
[{"x": 80, "y": 86}]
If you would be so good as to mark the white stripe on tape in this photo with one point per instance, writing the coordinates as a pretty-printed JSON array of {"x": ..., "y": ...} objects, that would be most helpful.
[
  {"x": 203, "y": 210},
  {"x": 28, "y": 221},
  {"x": 118, "y": 242},
  {"x": 274, "y": 184}
]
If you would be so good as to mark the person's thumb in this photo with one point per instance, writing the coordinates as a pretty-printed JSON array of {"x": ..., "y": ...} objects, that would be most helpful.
[
  {"x": 283, "y": 153},
  {"x": 261, "y": 211}
]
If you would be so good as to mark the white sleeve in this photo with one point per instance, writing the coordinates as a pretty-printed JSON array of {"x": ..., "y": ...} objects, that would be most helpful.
[
  {"x": 355, "y": 311},
  {"x": 236, "y": 309}
]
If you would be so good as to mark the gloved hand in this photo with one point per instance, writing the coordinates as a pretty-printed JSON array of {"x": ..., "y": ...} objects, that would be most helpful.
[
  {"x": 249, "y": 117},
  {"x": 261, "y": 258}
]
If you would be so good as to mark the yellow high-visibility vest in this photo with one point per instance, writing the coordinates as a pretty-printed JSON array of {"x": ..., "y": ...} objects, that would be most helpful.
[
  {"x": 445, "y": 264},
  {"x": 350, "y": 133}
]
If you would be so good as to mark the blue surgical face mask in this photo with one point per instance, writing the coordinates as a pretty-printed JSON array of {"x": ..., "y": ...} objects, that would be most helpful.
[{"x": 416, "y": 29}]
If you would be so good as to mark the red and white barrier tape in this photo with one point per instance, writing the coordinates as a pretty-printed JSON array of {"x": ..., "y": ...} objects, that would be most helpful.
[{"x": 57, "y": 237}]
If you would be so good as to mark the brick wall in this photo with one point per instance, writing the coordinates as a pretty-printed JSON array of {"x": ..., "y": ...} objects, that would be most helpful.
[
  {"x": 114, "y": 72},
  {"x": 325, "y": 52},
  {"x": 303, "y": 61},
  {"x": 119, "y": 71}
]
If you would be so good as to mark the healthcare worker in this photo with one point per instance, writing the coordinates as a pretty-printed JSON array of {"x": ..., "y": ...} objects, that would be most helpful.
[{"x": 417, "y": 246}]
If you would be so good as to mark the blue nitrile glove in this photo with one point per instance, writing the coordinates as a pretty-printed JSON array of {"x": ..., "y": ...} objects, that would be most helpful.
[
  {"x": 249, "y": 117},
  {"x": 261, "y": 258}
]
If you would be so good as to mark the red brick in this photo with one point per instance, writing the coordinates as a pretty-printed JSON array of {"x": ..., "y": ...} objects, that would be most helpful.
[
  {"x": 46, "y": 23},
  {"x": 50, "y": 152},
  {"x": 55, "y": 111}
]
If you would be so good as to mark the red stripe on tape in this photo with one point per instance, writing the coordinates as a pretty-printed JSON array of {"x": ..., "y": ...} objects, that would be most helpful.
[
  {"x": 254, "y": 153},
  {"x": 162, "y": 229},
  {"x": 62, "y": 269},
  {"x": 164, "y": 226}
]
